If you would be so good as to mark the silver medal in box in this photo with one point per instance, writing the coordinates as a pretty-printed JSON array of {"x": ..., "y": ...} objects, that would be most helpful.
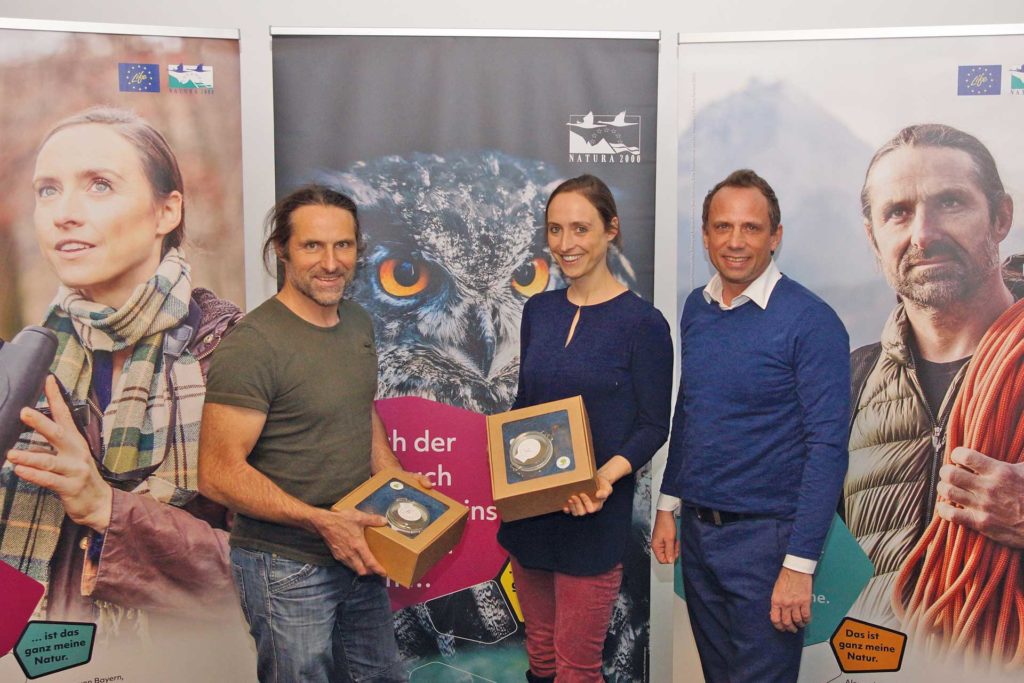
[
  {"x": 407, "y": 516},
  {"x": 530, "y": 452}
]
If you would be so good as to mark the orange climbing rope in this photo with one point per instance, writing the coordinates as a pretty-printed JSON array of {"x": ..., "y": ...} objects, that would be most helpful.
[{"x": 960, "y": 591}]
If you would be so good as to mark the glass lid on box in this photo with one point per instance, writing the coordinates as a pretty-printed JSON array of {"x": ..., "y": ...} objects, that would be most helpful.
[
  {"x": 530, "y": 451},
  {"x": 407, "y": 516}
]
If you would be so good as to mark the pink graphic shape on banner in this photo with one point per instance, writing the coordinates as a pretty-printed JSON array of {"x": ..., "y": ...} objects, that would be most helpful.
[
  {"x": 19, "y": 596},
  {"x": 450, "y": 446}
]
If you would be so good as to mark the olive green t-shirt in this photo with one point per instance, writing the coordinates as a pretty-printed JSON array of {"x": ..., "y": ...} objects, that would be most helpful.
[{"x": 316, "y": 386}]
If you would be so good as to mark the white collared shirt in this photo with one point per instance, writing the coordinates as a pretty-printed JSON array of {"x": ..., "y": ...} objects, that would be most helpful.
[{"x": 758, "y": 291}]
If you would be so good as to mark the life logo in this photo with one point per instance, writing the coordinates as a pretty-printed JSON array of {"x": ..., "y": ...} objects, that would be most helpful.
[{"x": 604, "y": 138}]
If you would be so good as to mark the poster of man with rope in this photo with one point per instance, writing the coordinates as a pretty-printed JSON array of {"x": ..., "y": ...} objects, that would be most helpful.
[
  {"x": 901, "y": 175},
  {"x": 935, "y": 489}
]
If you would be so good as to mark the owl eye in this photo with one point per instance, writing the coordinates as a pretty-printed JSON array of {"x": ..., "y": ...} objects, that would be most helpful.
[
  {"x": 531, "y": 277},
  {"x": 402, "y": 277}
]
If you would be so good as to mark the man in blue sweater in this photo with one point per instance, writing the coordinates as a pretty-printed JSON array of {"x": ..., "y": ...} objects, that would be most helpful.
[{"x": 758, "y": 449}]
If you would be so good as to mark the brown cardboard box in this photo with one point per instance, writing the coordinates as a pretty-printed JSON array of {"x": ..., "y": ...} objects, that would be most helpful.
[
  {"x": 398, "y": 496},
  {"x": 540, "y": 456}
]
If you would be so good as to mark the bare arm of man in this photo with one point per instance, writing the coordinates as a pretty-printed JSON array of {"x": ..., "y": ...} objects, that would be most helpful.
[{"x": 227, "y": 437}]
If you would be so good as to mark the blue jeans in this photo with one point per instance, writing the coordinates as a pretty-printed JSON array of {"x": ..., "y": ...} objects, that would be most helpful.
[{"x": 313, "y": 623}]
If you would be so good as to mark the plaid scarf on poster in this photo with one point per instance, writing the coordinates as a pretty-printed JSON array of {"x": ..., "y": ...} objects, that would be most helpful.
[{"x": 151, "y": 426}]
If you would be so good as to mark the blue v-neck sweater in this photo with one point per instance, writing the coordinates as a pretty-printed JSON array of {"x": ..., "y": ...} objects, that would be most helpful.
[{"x": 763, "y": 410}]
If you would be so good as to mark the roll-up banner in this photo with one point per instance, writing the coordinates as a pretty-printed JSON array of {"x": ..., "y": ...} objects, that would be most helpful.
[
  {"x": 898, "y": 164},
  {"x": 120, "y": 156},
  {"x": 450, "y": 144}
]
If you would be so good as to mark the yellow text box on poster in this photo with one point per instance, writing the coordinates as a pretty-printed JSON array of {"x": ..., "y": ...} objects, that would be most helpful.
[{"x": 508, "y": 586}]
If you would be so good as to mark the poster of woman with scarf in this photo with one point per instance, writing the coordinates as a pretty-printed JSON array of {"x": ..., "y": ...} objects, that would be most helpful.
[{"x": 99, "y": 496}]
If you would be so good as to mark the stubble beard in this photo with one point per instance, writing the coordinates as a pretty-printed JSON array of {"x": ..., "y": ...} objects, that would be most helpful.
[
  {"x": 306, "y": 287},
  {"x": 956, "y": 281}
]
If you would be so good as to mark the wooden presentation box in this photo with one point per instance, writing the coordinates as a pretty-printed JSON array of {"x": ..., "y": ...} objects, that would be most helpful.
[
  {"x": 540, "y": 456},
  {"x": 423, "y": 524}
]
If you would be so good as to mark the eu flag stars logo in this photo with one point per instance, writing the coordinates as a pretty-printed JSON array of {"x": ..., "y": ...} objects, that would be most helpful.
[
  {"x": 138, "y": 77},
  {"x": 980, "y": 79}
]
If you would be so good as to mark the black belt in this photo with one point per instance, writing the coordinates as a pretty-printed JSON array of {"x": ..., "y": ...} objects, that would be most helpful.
[{"x": 719, "y": 517}]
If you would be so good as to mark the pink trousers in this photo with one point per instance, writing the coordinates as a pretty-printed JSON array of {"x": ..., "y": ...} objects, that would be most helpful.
[{"x": 566, "y": 621}]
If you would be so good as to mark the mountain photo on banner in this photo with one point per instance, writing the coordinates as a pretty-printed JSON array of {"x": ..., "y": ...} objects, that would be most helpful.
[
  {"x": 819, "y": 194},
  {"x": 934, "y": 114}
]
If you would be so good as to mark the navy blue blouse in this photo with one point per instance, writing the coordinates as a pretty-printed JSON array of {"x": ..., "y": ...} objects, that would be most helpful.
[{"x": 620, "y": 362}]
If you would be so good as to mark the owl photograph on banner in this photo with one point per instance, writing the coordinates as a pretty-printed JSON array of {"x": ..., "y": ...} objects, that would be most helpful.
[{"x": 455, "y": 247}]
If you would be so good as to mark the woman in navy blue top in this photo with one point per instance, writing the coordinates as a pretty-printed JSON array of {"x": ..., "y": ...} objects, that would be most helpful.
[{"x": 598, "y": 340}]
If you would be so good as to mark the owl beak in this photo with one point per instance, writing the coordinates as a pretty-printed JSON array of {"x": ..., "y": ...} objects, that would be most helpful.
[{"x": 482, "y": 339}]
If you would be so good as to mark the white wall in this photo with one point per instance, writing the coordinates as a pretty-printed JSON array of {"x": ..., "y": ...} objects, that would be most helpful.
[{"x": 253, "y": 17}]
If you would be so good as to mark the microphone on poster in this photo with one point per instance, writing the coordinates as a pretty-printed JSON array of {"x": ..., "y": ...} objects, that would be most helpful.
[{"x": 24, "y": 363}]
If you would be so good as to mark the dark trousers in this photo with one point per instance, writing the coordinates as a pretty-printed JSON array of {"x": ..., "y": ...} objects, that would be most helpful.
[{"x": 729, "y": 572}]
